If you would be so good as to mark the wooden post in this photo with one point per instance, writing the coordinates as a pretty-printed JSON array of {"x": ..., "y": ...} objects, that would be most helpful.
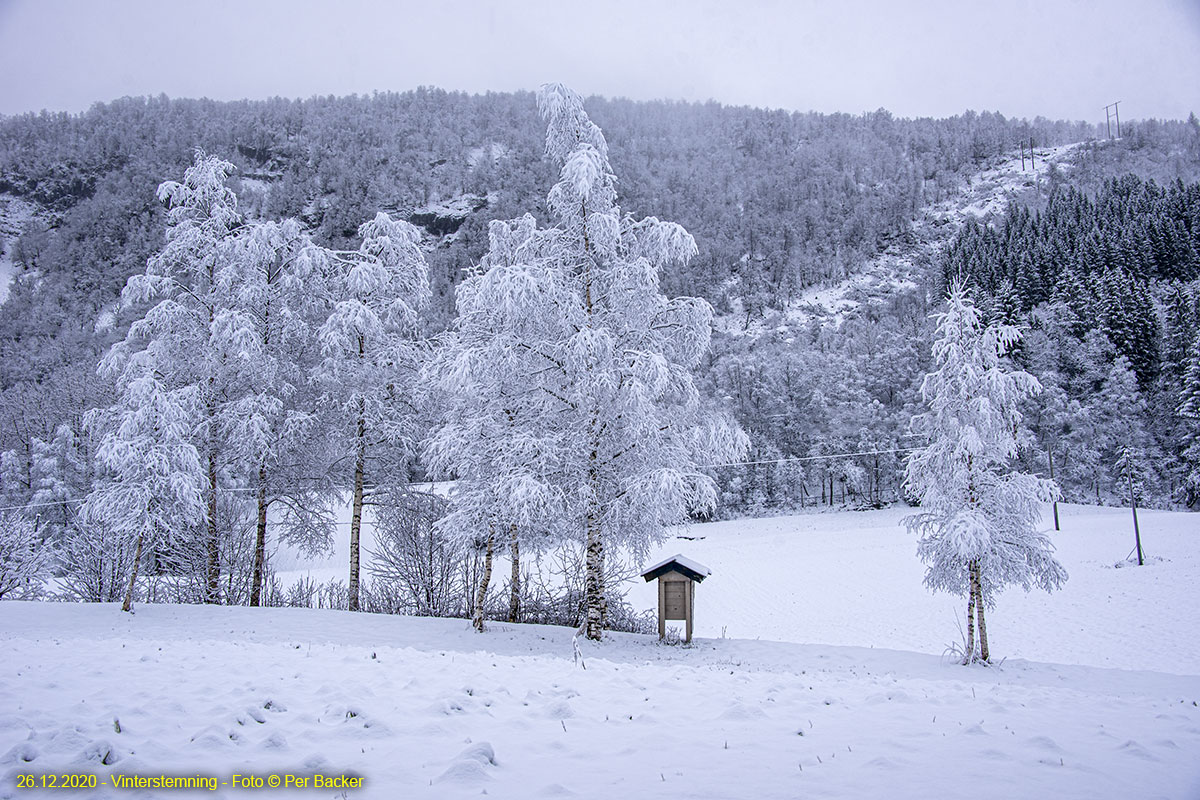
[
  {"x": 689, "y": 599},
  {"x": 1032, "y": 162},
  {"x": 1022, "y": 156},
  {"x": 662, "y": 609}
]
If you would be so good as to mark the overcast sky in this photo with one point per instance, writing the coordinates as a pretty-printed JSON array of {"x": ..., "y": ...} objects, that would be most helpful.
[{"x": 1056, "y": 58}]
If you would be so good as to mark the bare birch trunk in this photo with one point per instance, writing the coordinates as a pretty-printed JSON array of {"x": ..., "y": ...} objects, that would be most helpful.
[
  {"x": 514, "y": 595},
  {"x": 213, "y": 593},
  {"x": 481, "y": 596},
  {"x": 356, "y": 514},
  {"x": 260, "y": 540},
  {"x": 969, "y": 656},
  {"x": 360, "y": 462},
  {"x": 977, "y": 590},
  {"x": 592, "y": 584},
  {"x": 137, "y": 559},
  {"x": 603, "y": 591}
]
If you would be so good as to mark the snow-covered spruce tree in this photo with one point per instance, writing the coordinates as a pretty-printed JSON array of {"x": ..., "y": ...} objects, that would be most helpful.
[
  {"x": 594, "y": 426},
  {"x": 372, "y": 355},
  {"x": 979, "y": 519},
  {"x": 152, "y": 494},
  {"x": 1189, "y": 412},
  {"x": 271, "y": 284},
  {"x": 177, "y": 348}
]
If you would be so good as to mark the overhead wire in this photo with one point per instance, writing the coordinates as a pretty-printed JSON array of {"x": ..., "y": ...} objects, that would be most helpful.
[{"x": 239, "y": 489}]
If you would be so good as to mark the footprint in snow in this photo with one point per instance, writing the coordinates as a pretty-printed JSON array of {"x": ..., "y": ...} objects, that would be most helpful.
[
  {"x": 739, "y": 711},
  {"x": 67, "y": 740},
  {"x": 1046, "y": 743},
  {"x": 1133, "y": 748},
  {"x": 559, "y": 709},
  {"x": 98, "y": 752},
  {"x": 22, "y": 753},
  {"x": 470, "y": 766},
  {"x": 446, "y": 706},
  {"x": 212, "y": 738},
  {"x": 275, "y": 741}
]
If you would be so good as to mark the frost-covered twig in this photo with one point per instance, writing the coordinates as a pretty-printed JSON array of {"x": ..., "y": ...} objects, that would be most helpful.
[{"x": 575, "y": 644}]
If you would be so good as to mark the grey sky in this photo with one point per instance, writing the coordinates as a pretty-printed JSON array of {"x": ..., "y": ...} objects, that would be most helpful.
[{"x": 1056, "y": 58}]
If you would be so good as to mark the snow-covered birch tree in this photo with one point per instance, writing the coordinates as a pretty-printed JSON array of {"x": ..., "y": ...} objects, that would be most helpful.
[
  {"x": 488, "y": 376},
  {"x": 272, "y": 285},
  {"x": 176, "y": 338},
  {"x": 979, "y": 523},
  {"x": 595, "y": 424},
  {"x": 25, "y": 556},
  {"x": 153, "y": 492},
  {"x": 372, "y": 354}
]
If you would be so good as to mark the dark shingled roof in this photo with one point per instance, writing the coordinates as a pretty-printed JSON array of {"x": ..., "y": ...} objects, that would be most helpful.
[{"x": 692, "y": 569}]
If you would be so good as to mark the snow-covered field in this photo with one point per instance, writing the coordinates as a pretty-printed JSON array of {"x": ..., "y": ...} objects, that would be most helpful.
[{"x": 1097, "y": 698}]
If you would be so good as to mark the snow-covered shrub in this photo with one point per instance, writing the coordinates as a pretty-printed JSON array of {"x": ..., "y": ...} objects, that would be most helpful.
[
  {"x": 24, "y": 557},
  {"x": 417, "y": 569},
  {"x": 95, "y": 562},
  {"x": 552, "y": 592}
]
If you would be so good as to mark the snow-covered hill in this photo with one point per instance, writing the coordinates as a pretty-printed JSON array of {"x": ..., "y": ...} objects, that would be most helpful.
[
  {"x": 15, "y": 214},
  {"x": 905, "y": 261},
  {"x": 428, "y": 708}
]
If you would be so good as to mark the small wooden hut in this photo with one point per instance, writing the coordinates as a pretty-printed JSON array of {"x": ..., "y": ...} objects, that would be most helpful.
[{"x": 677, "y": 578}]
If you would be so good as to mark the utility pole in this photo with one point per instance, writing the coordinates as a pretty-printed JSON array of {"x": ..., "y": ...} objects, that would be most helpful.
[
  {"x": 1109, "y": 115},
  {"x": 1032, "y": 163},
  {"x": 1022, "y": 155},
  {"x": 1055, "y": 502},
  {"x": 1137, "y": 536}
]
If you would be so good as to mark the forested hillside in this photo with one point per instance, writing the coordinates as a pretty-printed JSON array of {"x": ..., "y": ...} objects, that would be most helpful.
[
  {"x": 1107, "y": 285},
  {"x": 778, "y": 203}
]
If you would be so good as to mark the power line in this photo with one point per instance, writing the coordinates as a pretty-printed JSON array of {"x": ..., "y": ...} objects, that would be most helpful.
[
  {"x": 42, "y": 505},
  {"x": 239, "y": 489},
  {"x": 810, "y": 458}
]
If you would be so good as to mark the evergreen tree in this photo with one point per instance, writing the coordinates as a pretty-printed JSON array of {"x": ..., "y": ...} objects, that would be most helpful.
[
  {"x": 1122, "y": 437},
  {"x": 1189, "y": 411}
]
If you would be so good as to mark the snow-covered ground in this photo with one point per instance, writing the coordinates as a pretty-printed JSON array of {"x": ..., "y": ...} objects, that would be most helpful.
[{"x": 1097, "y": 698}]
